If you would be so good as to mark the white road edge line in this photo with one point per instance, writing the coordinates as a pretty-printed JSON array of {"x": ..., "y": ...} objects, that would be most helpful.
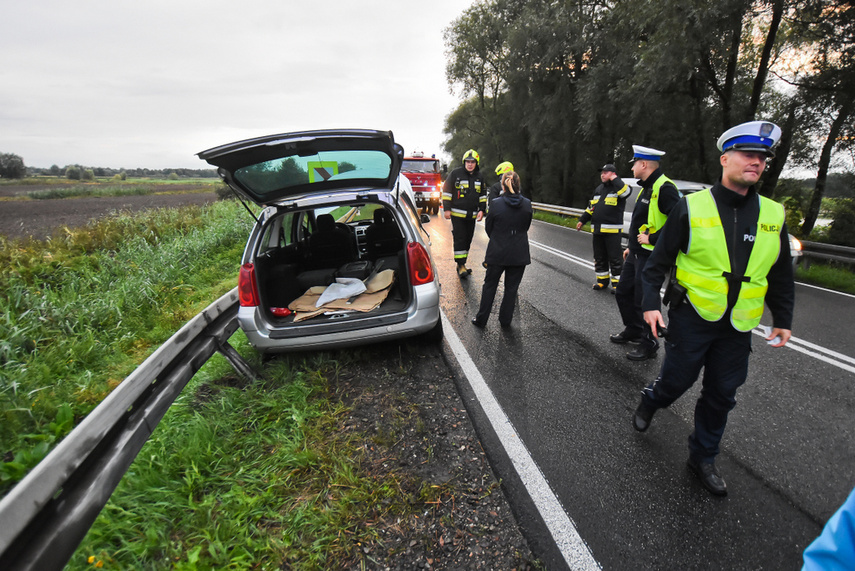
[
  {"x": 565, "y": 255},
  {"x": 571, "y": 545}
]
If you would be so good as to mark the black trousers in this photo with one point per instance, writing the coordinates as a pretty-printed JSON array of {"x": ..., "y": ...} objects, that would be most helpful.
[
  {"x": 628, "y": 296},
  {"x": 462, "y": 231},
  {"x": 513, "y": 277},
  {"x": 608, "y": 255},
  {"x": 722, "y": 352}
]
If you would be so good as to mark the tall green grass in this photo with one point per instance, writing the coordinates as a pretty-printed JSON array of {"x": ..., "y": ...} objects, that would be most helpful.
[
  {"x": 245, "y": 476},
  {"x": 832, "y": 276},
  {"x": 80, "y": 311}
]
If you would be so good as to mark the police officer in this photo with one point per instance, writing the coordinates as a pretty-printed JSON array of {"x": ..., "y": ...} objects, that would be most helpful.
[
  {"x": 464, "y": 200},
  {"x": 731, "y": 252},
  {"x": 657, "y": 197},
  {"x": 605, "y": 211}
]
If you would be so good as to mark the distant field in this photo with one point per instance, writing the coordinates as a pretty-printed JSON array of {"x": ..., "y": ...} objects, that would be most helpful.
[{"x": 38, "y": 207}]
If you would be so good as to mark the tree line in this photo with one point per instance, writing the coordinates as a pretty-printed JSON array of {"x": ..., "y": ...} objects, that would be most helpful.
[
  {"x": 12, "y": 166},
  {"x": 561, "y": 87}
]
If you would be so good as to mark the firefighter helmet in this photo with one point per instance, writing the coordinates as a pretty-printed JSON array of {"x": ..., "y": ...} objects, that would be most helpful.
[
  {"x": 504, "y": 167},
  {"x": 471, "y": 155}
]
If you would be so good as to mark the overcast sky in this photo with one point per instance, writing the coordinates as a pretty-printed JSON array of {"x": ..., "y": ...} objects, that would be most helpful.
[{"x": 108, "y": 83}]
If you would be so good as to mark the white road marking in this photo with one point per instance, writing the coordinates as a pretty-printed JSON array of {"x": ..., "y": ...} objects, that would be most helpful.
[
  {"x": 570, "y": 257},
  {"x": 817, "y": 352},
  {"x": 571, "y": 545},
  {"x": 810, "y": 349}
]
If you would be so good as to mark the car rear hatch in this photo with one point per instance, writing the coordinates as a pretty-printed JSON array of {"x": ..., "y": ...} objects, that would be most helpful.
[{"x": 274, "y": 168}]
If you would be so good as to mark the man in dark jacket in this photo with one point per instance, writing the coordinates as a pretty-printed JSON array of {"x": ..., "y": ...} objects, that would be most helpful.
[
  {"x": 464, "y": 201},
  {"x": 605, "y": 212},
  {"x": 507, "y": 252},
  {"x": 731, "y": 252}
]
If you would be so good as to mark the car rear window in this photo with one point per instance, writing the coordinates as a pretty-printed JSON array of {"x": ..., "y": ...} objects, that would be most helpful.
[{"x": 330, "y": 166}]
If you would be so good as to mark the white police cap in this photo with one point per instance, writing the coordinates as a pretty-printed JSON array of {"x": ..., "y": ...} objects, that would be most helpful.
[
  {"x": 759, "y": 136},
  {"x": 640, "y": 153}
]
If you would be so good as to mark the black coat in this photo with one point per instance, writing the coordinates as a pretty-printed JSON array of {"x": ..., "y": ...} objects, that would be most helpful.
[{"x": 507, "y": 226}]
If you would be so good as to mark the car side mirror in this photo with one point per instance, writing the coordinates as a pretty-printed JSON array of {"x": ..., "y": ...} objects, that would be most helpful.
[{"x": 425, "y": 218}]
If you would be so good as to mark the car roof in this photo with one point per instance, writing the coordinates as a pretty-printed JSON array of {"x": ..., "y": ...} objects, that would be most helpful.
[{"x": 276, "y": 167}]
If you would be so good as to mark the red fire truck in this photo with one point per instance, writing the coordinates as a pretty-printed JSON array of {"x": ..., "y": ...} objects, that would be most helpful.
[{"x": 425, "y": 176}]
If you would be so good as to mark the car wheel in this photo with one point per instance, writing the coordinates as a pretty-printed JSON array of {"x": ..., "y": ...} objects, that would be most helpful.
[{"x": 434, "y": 335}]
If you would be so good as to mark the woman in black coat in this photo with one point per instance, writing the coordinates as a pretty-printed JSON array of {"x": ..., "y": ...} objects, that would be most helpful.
[{"x": 507, "y": 226}]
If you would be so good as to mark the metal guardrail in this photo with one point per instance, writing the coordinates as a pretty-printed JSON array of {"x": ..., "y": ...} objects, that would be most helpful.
[
  {"x": 831, "y": 252},
  {"x": 47, "y": 514},
  {"x": 554, "y": 209},
  {"x": 817, "y": 250}
]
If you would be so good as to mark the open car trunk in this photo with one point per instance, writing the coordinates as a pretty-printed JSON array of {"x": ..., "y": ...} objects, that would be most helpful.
[{"x": 302, "y": 253}]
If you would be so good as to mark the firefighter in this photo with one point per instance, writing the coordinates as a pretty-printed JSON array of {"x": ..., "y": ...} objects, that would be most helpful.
[
  {"x": 657, "y": 197},
  {"x": 494, "y": 191},
  {"x": 605, "y": 211},
  {"x": 464, "y": 201},
  {"x": 732, "y": 255}
]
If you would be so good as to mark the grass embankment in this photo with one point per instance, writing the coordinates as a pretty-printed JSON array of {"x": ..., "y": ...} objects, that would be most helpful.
[
  {"x": 831, "y": 276},
  {"x": 82, "y": 310},
  {"x": 237, "y": 475}
]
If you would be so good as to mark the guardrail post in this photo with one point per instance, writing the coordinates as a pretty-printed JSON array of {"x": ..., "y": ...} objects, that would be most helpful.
[{"x": 239, "y": 363}]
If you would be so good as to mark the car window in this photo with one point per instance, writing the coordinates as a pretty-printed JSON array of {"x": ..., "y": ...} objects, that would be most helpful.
[{"x": 277, "y": 174}]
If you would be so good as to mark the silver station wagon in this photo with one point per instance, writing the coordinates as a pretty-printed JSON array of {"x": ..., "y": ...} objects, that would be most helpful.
[{"x": 338, "y": 256}]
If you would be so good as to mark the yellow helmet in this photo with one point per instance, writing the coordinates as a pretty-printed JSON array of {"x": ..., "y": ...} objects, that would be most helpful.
[
  {"x": 504, "y": 167},
  {"x": 471, "y": 154}
]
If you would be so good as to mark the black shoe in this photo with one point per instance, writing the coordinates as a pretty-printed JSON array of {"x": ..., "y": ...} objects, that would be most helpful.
[
  {"x": 709, "y": 476},
  {"x": 477, "y": 323},
  {"x": 505, "y": 325},
  {"x": 641, "y": 353},
  {"x": 484, "y": 263},
  {"x": 642, "y": 417},
  {"x": 622, "y": 338},
  {"x": 598, "y": 286}
]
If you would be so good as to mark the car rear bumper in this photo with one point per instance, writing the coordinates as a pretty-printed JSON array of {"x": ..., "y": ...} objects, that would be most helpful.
[{"x": 363, "y": 330}]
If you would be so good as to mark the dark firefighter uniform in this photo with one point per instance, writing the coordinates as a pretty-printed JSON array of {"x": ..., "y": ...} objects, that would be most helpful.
[
  {"x": 464, "y": 194},
  {"x": 657, "y": 197},
  {"x": 731, "y": 254},
  {"x": 605, "y": 212}
]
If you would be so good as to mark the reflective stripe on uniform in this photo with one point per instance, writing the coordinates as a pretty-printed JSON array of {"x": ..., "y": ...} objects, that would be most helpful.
[{"x": 462, "y": 213}]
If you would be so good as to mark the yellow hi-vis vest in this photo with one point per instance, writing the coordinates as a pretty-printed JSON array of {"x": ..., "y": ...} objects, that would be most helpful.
[
  {"x": 655, "y": 218},
  {"x": 701, "y": 270}
]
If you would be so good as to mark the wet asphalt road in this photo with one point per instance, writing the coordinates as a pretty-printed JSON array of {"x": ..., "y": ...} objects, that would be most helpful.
[{"x": 788, "y": 454}]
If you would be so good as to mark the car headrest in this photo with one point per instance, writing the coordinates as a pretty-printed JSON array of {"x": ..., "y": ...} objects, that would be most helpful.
[
  {"x": 381, "y": 216},
  {"x": 326, "y": 223}
]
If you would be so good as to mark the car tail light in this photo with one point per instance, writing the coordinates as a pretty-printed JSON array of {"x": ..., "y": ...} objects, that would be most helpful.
[
  {"x": 421, "y": 270},
  {"x": 247, "y": 288}
]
